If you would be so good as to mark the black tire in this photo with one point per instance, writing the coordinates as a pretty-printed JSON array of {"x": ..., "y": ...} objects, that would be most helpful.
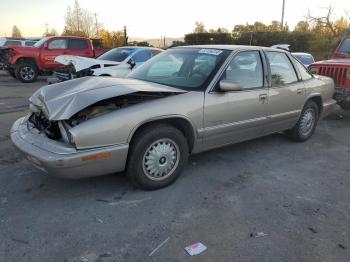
[
  {"x": 298, "y": 133},
  {"x": 26, "y": 72},
  {"x": 144, "y": 143},
  {"x": 344, "y": 105}
]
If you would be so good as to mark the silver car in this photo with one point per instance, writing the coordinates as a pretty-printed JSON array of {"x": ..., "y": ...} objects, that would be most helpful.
[{"x": 184, "y": 101}]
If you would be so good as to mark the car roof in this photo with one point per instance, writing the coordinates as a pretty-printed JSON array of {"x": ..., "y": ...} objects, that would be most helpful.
[
  {"x": 232, "y": 47},
  {"x": 301, "y": 53},
  {"x": 139, "y": 47}
]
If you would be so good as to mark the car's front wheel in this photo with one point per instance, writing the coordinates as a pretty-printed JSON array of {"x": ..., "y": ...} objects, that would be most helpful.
[
  {"x": 157, "y": 156},
  {"x": 306, "y": 125},
  {"x": 26, "y": 72}
]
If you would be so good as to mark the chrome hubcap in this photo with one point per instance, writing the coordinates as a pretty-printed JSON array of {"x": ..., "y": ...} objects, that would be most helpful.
[
  {"x": 161, "y": 159},
  {"x": 27, "y": 73},
  {"x": 307, "y": 121}
]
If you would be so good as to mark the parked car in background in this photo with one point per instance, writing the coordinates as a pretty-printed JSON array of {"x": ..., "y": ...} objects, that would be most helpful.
[
  {"x": 185, "y": 100},
  {"x": 117, "y": 62},
  {"x": 11, "y": 41},
  {"x": 26, "y": 63},
  {"x": 338, "y": 67},
  {"x": 305, "y": 58}
]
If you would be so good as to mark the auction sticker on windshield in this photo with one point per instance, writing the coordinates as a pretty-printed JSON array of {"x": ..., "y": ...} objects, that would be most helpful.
[{"x": 210, "y": 51}]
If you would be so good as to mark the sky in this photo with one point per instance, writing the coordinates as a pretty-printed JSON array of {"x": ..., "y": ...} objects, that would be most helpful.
[{"x": 156, "y": 18}]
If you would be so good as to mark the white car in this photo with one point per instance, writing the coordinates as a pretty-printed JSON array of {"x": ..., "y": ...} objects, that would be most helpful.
[
  {"x": 305, "y": 58},
  {"x": 8, "y": 41},
  {"x": 117, "y": 62}
]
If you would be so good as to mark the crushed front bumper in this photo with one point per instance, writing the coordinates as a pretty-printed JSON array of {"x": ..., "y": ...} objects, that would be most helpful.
[{"x": 58, "y": 159}]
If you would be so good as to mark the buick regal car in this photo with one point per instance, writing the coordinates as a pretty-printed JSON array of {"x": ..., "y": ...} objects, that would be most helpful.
[{"x": 184, "y": 101}]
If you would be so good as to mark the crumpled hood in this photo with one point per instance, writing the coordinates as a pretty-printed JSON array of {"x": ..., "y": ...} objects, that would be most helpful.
[
  {"x": 62, "y": 100},
  {"x": 81, "y": 63}
]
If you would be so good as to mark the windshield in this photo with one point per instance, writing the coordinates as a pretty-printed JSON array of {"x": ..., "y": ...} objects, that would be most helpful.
[
  {"x": 117, "y": 54},
  {"x": 345, "y": 46},
  {"x": 185, "y": 68},
  {"x": 40, "y": 42},
  {"x": 305, "y": 59}
]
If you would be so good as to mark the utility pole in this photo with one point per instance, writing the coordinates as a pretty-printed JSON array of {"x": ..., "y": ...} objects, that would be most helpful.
[
  {"x": 46, "y": 28},
  {"x": 125, "y": 36},
  {"x": 282, "y": 19},
  {"x": 96, "y": 26},
  {"x": 164, "y": 42}
]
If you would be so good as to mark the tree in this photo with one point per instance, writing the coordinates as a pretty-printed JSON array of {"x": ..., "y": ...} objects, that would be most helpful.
[
  {"x": 16, "y": 32},
  {"x": 274, "y": 26},
  {"x": 324, "y": 23},
  {"x": 200, "y": 28},
  {"x": 112, "y": 39},
  {"x": 51, "y": 32},
  {"x": 302, "y": 26},
  {"x": 81, "y": 22}
]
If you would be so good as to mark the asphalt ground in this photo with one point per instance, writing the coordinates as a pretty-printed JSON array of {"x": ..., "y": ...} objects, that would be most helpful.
[{"x": 295, "y": 196}]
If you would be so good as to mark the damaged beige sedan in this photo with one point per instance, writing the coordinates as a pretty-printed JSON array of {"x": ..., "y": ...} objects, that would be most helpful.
[{"x": 183, "y": 101}]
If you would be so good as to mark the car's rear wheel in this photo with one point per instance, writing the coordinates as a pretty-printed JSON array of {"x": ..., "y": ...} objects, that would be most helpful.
[
  {"x": 26, "y": 72},
  {"x": 157, "y": 156},
  {"x": 306, "y": 125}
]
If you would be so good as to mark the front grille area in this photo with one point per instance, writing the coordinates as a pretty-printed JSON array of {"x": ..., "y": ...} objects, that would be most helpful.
[
  {"x": 41, "y": 123},
  {"x": 68, "y": 72},
  {"x": 339, "y": 74}
]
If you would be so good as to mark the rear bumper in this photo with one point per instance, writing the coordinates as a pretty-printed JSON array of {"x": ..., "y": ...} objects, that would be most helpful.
[{"x": 58, "y": 159}]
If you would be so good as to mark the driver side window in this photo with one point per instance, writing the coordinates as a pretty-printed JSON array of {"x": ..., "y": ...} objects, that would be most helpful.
[{"x": 245, "y": 69}]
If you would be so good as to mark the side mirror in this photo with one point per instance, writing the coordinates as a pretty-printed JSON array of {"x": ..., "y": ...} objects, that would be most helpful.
[
  {"x": 227, "y": 86},
  {"x": 132, "y": 63},
  {"x": 46, "y": 45}
]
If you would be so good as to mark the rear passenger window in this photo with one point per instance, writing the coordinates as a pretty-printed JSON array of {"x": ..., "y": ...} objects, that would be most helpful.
[
  {"x": 58, "y": 44},
  {"x": 282, "y": 70},
  {"x": 246, "y": 69},
  {"x": 305, "y": 75},
  {"x": 142, "y": 56},
  {"x": 77, "y": 44},
  {"x": 12, "y": 42},
  {"x": 29, "y": 43}
]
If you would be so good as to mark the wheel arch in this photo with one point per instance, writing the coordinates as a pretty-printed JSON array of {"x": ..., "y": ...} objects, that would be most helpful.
[
  {"x": 317, "y": 98},
  {"x": 180, "y": 122},
  {"x": 26, "y": 59}
]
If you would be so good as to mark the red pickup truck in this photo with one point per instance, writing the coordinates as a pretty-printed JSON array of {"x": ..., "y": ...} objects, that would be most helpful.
[
  {"x": 338, "y": 67},
  {"x": 26, "y": 63}
]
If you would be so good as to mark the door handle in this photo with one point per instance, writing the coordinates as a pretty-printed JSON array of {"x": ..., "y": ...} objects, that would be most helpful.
[
  {"x": 263, "y": 98},
  {"x": 300, "y": 91}
]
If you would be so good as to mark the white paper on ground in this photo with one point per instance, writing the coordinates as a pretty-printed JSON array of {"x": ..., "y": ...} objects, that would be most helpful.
[{"x": 195, "y": 249}]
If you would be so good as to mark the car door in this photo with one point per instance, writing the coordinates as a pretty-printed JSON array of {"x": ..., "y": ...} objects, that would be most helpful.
[
  {"x": 235, "y": 116},
  {"x": 55, "y": 47},
  {"x": 286, "y": 93}
]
